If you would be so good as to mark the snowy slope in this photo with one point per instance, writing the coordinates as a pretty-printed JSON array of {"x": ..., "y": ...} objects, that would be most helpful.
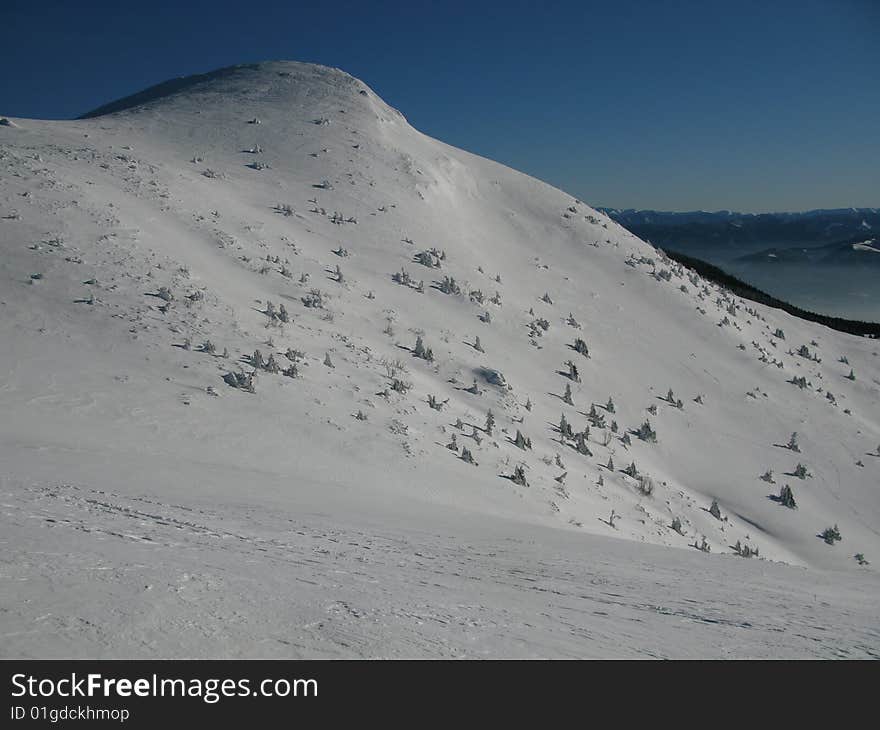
[{"x": 121, "y": 447}]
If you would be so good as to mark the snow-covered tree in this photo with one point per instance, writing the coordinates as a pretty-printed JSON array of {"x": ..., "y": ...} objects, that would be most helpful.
[
  {"x": 646, "y": 433},
  {"x": 831, "y": 535},
  {"x": 519, "y": 477},
  {"x": 565, "y": 428},
  {"x": 521, "y": 441},
  {"x": 786, "y": 497}
]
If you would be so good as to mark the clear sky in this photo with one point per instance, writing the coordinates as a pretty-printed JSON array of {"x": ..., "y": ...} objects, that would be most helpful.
[{"x": 664, "y": 104}]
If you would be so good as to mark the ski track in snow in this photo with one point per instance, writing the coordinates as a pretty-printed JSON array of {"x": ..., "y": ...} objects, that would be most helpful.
[{"x": 187, "y": 582}]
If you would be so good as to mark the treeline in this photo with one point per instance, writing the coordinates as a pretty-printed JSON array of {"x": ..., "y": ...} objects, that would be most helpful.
[{"x": 746, "y": 291}]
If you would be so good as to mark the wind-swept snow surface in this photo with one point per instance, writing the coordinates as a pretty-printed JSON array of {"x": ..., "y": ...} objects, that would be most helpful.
[{"x": 168, "y": 490}]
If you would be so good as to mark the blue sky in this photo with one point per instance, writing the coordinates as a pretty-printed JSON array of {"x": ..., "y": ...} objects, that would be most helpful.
[{"x": 740, "y": 105}]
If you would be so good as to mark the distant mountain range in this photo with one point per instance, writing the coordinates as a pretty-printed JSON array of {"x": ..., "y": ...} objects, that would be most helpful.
[
  {"x": 729, "y": 235},
  {"x": 823, "y": 261},
  {"x": 858, "y": 252}
]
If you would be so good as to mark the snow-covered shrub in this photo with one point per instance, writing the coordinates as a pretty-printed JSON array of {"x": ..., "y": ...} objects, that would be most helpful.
[
  {"x": 581, "y": 348},
  {"x": 646, "y": 433},
  {"x": 786, "y": 497},
  {"x": 831, "y": 535},
  {"x": 519, "y": 477},
  {"x": 645, "y": 485}
]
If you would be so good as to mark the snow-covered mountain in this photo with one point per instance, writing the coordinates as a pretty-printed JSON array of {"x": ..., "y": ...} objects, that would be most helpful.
[{"x": 150, "y": 249}]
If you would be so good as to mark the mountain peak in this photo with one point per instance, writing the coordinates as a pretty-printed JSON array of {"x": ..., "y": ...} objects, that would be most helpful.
[{"x": 278, "y": 82}]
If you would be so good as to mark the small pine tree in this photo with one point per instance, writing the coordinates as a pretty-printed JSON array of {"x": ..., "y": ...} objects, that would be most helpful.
[
  {"x": 831, "y": 535},
  {"x": 519, "y": 477},
  {"x": 646, "y": 433},
  {"x": 490, "y": 423},
  {"x": 567, "y": 397},
  {"x": 786, "y": 497},
  {"x": 565, "y": 428},
  {"x": 715, "y": 510},
  {"x": 327, "y": 361},
  {"x": 793, "y": 442}
]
